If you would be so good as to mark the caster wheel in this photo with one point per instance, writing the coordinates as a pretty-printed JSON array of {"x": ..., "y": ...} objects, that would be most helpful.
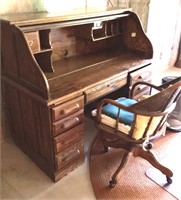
[
  {"x": 149, "y": 146},
  {"x": 106, "y": 149},
  {"x": 169, "y": 180},
  {"x": 112, "y": 183}
]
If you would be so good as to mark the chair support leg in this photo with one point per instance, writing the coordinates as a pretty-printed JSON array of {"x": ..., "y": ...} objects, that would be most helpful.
[
  {"x": 150, "y": 157},
  {"x": 113, "y": 182}
]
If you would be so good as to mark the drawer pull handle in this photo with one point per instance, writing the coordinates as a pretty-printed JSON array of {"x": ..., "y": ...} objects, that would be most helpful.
[
  {"x": 140, "y": 87},
  {"x": 69, "y": 123},
  {"x": 71, "y": 156},
  {"x": 30, "y": 43},
  {"x": 143, "y": 76},
  {"x": 69, "y": 110},
  {"x": 68, "y": 141}
]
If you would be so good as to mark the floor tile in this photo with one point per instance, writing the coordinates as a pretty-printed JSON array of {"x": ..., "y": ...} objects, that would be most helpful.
[{"x": 8, "y": 192}]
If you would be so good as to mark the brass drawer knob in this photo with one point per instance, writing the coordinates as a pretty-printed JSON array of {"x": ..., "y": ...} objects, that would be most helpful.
[{"x": 30, "y": 43}]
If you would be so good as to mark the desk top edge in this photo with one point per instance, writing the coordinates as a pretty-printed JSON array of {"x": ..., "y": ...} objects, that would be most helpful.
[{"x": 28, "y": 19}]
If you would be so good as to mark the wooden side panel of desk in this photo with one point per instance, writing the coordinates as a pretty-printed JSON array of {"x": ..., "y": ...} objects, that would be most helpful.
[
  {"x": 30, "y": 126},
  {"x": 25, "y": 71}
]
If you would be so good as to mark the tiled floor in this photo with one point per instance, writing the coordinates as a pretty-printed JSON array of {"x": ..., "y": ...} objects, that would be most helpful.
[{"x": 22, "y": 179}]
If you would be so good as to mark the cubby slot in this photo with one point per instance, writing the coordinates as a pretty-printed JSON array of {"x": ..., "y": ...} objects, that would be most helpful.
[
  {"x": 109, "y": 28},
  {"x": 115, "y": 30},
  {"x": 100, "y": 29},
  {"x": 44, "y": 55},
  {"x": 114, "y": 27},
  {"x": 99, "y": 32},
  {"x": 45, "y": 61},
  {"x": 44, "y": 39}
]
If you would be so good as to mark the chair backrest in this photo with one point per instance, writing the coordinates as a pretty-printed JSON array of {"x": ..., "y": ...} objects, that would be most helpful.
[
  {"x": 160, "y": 101},
  {"x": 151, "y": 113}
]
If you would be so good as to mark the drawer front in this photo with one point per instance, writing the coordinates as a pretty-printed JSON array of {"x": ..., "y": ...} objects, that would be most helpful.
[
  {"x": 143, "y": 74},
  {"x": 140, "y": 92},
  {"x": 104, "y": 88},
  {"x": 69, "y": 155},
  {"x": 68, "y": 122},
  {"x": 68, "y": 138},
  {"x": 33, "y": 41},
  {"x": 68, "y": 108},
  {"x": 68, "y": 168}
]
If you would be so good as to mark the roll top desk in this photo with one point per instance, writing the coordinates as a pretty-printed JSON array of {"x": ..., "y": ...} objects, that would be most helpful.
[{"x": 54, "y": 65}]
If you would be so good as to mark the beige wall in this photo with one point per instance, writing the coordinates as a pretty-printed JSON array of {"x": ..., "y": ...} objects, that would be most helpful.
[
  {"x": 164, "y": 29},
  {"x": 26, "y": 6},
  {"x": 21, "y": 6},
  {"x": 141, "y": 8}
]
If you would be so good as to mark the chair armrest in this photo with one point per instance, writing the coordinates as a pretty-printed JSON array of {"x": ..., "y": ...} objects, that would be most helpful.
[
  {"x": 167, "y": 84},
  {"x": 159, "y": 88}
]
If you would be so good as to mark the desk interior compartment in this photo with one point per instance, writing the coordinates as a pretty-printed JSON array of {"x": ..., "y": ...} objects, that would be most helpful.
[
  {"x": 33, "y": 41},
  {"x": 99, "y": 30}
]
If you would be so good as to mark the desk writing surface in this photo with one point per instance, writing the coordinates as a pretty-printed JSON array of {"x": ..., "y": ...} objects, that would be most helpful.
[
  {"x": 127, "y": 60},
  {"x": 77, "y": 75}
]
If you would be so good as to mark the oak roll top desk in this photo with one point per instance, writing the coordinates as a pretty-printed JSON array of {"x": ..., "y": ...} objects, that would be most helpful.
[{"x": 54, "y": 65}]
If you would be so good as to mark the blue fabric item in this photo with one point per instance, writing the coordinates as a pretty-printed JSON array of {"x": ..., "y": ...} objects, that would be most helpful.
[{"x": 125, "y": 117}]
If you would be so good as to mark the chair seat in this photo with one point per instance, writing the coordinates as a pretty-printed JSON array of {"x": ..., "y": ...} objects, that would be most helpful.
[
  {"x": 109, "y": 121},
  {"x": 110, "y": 112},
  {"x": 125, "y": 117}
]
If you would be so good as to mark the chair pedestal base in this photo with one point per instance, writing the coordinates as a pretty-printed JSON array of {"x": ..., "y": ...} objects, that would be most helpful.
[
  {"x": 137, "y": 151},
  {"x": 150, "y": 157},
  {"x": 113, "y": 182}
]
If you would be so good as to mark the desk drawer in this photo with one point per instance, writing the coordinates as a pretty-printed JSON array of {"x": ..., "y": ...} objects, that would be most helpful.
[
  {"x": 67, "y": 108},
  {"x": 143, "y": 74},
  {"x": 68, "y": 122},
  {"x": 106, "y": 87},
  {"x": 69, "y": 155},
  {"x": 68, "y": 138},
  {"x": 59, "y": 174},
  {"x": 33, "y": 41}
]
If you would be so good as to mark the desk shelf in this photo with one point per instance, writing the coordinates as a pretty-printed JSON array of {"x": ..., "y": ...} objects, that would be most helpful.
[{"x": 100, "y": 30}]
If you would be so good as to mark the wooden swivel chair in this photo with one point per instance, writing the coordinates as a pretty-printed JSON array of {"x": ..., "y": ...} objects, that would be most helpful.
[{"x": 148, "y": 122}]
